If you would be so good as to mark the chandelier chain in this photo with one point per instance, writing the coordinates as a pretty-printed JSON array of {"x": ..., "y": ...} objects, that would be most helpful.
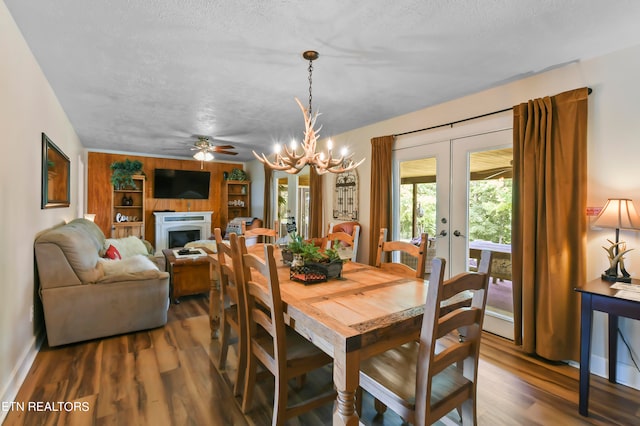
[{"x": 310, "y": 84}]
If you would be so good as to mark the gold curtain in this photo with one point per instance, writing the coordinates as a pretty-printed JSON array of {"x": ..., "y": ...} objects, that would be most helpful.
[
  {"x": 380, "y": 216},
  {"x": 549, "y": 222},
  {"x": 315, "y": 209},
  {"x": 268, "y": 184}
]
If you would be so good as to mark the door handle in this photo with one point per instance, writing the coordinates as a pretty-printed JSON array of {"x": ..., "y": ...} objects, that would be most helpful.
[
  {"x": 458, "y": 234},
  {"x": 442, "y": 233}
]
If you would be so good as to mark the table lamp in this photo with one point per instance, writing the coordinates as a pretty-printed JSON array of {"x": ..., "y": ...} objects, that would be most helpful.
[{"x": 618, "y": 213}]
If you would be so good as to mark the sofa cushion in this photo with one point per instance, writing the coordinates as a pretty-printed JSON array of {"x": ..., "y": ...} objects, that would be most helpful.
[
  {"x": 74, "y": 242},
  {"x": 93, "y": 231}
]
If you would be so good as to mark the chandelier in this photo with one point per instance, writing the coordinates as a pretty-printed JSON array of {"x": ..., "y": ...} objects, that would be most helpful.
[{"x": 291, "y": 161}]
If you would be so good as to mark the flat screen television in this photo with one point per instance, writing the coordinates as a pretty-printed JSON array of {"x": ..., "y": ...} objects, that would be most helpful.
[{"x": 186, "y": 184}]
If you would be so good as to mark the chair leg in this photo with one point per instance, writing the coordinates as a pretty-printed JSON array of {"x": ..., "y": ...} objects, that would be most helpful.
[
  {"x": 359, "y": 401},
  {"x": 224, "y": 345},
  {"x": 379, "y": 406},
  {"x": 280, "y": 401},
  {"x": 238, "y": 388},
  {"x": 249, "y": 381},
  {"x": 300, "y": 381}
]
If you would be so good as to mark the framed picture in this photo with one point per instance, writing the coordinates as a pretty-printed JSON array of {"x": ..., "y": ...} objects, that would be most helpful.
[{"x": 56, "y": 169}]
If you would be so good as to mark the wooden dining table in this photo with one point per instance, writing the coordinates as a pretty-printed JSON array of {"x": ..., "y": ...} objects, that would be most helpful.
[{"x": 364, "y": 312}]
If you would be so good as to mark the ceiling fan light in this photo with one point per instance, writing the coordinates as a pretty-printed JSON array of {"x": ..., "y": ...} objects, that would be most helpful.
[{"x": 203, "y": 156}]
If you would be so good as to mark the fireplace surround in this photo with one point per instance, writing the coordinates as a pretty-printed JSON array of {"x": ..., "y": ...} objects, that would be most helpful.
[{"x": 180, "y": 221}]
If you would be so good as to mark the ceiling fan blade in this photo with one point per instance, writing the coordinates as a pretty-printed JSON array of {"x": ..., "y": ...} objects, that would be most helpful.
[
  {"x": 226, "y": 152},
  {"x": 224, "y": 147}
]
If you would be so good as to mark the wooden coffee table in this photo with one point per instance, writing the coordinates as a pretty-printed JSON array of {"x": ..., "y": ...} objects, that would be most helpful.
[{"x": 189, "y": 274}]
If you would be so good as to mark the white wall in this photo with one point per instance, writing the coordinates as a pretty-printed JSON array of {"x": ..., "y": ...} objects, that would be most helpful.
[
  {"x": 28, "y": 107},
  {"x": 614, "y": 153}
]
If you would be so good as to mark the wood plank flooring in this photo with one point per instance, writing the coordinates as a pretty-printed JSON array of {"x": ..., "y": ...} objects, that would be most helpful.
[{"x": 168, "y": 376}]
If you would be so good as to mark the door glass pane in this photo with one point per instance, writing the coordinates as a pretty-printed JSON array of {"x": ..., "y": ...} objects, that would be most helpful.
[
  {"x": 417, "y": 202},
  {"x": 489, "y": 228},
  {"x": 417, "y": 198}
]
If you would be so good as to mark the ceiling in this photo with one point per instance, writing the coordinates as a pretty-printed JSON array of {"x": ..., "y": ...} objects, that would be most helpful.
[{"x": 150, "y": 76}]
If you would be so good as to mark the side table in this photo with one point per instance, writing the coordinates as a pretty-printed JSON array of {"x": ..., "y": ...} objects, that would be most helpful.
[
  {"x": 597, "y": 295},
  {"x": 189, "y": 275}
]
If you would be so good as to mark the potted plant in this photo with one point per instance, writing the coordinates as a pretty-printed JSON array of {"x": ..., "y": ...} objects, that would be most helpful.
[
  {"x": 122, "y": 172},
  {"x": 298, "y": 249},
  {"x": 332, "y": 262},
  {"x": 300, "y": 252}
]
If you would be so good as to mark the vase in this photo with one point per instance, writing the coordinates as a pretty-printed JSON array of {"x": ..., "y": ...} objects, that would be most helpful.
[
  {"x": 287, "y": 257},
  {"x": 297, "y": 260}
]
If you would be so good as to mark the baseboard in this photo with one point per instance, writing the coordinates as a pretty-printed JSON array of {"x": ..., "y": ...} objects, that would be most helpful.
[
  {"x": 626, "y": 375},
  {"x": 19, "y": 373}
]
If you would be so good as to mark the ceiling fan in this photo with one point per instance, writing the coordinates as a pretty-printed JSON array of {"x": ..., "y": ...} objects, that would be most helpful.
[{"x": 205, "y": 150}]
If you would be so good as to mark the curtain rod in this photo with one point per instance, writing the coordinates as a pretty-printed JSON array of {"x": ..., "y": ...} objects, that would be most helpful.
[{"x": 589, "y": 91}]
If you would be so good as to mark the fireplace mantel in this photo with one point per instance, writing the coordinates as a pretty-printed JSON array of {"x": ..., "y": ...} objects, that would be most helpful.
[{"x": 180, "y": 221}]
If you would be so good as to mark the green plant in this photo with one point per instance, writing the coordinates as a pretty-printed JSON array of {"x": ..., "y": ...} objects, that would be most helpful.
[
  {"x": 295, "y": 243},
  {"x": 122, "y": 172},
  {"x": 238, "y": 174},
  {"x": 332, "y": 254},
  {"x": 311, "y": 253},
  {"x": 307, "y": 250}
]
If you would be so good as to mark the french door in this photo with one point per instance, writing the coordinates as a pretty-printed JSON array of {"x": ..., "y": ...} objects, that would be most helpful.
[{"x": 456, "y": 187}]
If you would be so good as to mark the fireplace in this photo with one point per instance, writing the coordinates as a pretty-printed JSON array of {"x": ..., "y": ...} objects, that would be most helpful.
[
  {"x": 174, "y": 229},
  {"x": 179, "y": 238}
]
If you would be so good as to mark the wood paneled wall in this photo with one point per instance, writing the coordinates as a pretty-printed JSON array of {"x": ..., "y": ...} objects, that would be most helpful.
[{"x": 99, "y": 189}]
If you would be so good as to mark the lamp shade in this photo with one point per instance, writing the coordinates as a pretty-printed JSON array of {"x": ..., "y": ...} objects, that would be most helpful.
[{"x": 618, "y": 213}]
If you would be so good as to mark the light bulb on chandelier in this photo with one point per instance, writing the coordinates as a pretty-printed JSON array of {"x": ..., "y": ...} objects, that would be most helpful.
[{"x": 291, "y": 162}]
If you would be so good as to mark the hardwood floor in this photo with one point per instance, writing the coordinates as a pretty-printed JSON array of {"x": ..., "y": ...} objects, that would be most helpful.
[{"x": 168, "y": 376}]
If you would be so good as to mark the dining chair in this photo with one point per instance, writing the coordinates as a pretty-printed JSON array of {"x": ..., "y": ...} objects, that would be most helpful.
[
  {"x": 422, "y": 381},
  {"x": 232, "y": 299},
  {"x": 281, "y": 350},
  {"x": 264, "y": 232},
  {"x": 386, "y": 248},
  {"x": 345, "y": 236}
]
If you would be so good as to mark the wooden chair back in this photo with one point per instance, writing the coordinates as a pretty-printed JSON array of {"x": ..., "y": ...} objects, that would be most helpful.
[
  {"x": 386, "y": 248},
  {"x": 338, "y": 232},
  {"x": 424, "y": 380},
  {"x": 265, "y": 233},
  {"x": 437, "y": 395},
  {"x": 228, "y": 287},
  {"x": 278, "y": 348},
  {"x": 232, "y": 299}
]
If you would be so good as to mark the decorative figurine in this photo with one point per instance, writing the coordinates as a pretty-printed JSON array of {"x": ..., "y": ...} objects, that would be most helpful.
[{"x": 616, "y": 257}]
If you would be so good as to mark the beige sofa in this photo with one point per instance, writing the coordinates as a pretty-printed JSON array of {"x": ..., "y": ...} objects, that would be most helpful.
[{"x": 86, "y": 297}]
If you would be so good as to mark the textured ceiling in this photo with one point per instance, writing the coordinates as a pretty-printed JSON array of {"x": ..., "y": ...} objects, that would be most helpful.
[{"x": 147, "y": 76}]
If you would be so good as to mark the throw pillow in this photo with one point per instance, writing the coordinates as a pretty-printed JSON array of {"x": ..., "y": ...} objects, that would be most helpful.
[
  {"x": 112, "y": 253},
  {"x": 128, "y": 246}
]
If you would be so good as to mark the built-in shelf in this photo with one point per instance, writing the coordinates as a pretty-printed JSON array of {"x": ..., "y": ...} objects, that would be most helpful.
[{"x": 128, "y": 220}]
